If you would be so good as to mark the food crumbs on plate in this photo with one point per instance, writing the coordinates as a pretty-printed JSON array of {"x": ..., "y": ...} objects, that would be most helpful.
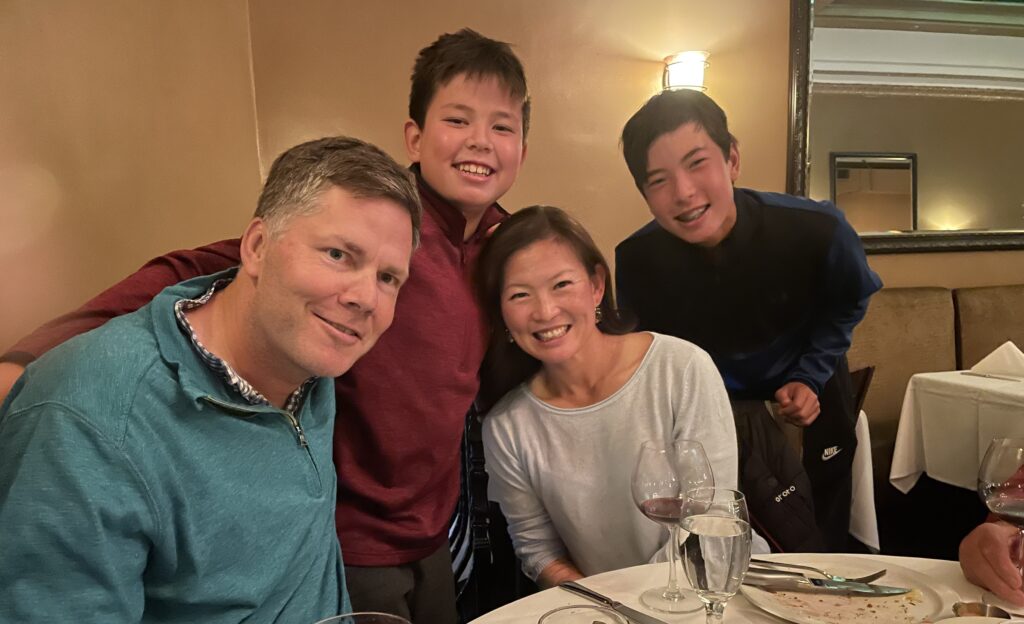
[{"x": 838, "y": 609}]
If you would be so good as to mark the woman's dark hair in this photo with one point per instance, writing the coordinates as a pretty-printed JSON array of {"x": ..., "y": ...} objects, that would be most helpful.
[{"x": 506, "y": 365}]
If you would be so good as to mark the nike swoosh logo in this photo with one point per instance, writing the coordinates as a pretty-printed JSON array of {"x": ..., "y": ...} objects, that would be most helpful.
[{"x": 830, "y": 452}]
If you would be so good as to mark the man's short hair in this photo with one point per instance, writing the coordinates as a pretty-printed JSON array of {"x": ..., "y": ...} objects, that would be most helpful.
[
  {"x": 302, "y": 173},
  {"x": 468, "y": 53},
  {"x": 662, "y": 114}
]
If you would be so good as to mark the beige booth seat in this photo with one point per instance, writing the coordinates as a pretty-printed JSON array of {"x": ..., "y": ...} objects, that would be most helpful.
[
  {"x": 905, "y": 331},
  {"x": 986, "y": 317}
]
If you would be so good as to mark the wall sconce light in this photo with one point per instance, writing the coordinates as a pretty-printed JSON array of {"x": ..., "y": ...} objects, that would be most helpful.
[{"x": 685, "y": 71}]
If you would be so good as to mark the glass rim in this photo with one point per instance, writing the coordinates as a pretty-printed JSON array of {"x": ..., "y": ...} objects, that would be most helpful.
[
  {"x": 663, "y": 445},
  {"x": 329, "y": 620},
  {"x": 589, "y": 607},
  {"x": 738, "y": 494}
]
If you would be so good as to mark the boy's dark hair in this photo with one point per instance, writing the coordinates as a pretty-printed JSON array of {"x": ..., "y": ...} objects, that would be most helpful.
[
  {"x": 506, "y": 365},
  {"x": 662, "y": 114},
  {"x": 470, "y": 53}
]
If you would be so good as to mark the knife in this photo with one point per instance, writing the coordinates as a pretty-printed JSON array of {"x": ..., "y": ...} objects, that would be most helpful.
[
  {"x": 990, "y": 376},
  {"x": 820, "y": 586},
  {"x": 631, "y": 614}
]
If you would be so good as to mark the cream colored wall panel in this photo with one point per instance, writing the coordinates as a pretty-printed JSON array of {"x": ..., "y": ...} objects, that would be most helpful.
[{"x": 127, "y": 128}]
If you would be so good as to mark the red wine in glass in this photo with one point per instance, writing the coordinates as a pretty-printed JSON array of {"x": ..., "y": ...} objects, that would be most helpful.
[{"x": 665, "y": 510}]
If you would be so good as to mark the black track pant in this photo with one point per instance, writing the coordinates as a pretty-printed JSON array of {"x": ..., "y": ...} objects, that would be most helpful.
[{"x": 828, "y": 446}]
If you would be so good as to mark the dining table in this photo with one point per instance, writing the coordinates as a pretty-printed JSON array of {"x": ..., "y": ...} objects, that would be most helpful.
[
  {"x": 947, "y": 421},
  {"x": 627, "y": 584}
]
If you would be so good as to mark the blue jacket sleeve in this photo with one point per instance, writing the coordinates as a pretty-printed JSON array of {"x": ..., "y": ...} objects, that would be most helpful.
[
  {"x": 848, "y": 285},
  {"x": 74, "y": 519}
]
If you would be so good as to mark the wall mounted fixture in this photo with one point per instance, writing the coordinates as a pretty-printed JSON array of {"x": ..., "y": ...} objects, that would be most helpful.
[{"x": 685, "y": 70}]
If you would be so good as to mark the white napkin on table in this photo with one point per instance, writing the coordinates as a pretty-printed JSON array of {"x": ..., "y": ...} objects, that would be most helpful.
[{"x": 1006, "y": 360}]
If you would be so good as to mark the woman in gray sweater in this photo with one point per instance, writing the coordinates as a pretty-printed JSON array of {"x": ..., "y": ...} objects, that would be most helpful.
[{"x": 583, "y": 392}]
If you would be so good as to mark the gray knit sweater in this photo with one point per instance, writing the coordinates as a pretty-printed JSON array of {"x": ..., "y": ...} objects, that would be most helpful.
[{"x": 562, "y": 476}]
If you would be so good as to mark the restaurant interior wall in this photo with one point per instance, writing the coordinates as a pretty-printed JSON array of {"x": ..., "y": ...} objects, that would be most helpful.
[
  {"x": 326, "y": 66},
  {"x": 128, "y": 129}
]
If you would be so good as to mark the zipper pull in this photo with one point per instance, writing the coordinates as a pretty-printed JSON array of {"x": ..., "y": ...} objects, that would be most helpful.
[{"x": 301, "y": 434}]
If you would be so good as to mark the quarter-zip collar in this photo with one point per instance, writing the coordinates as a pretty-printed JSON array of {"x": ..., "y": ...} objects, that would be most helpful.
[
  {"x": 742, "y": 232},
  {"x": 202, "y": 384},
  {"x": 450, "y": 218}
]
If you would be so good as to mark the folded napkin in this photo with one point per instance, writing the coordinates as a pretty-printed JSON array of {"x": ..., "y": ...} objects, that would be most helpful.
[{"x": 1006, "y": 360}]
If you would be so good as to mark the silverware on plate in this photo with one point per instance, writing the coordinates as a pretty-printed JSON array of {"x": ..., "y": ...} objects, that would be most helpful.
[
  {"x": 786, "y": 573},
  {"x": 774, "y": 582},
  {"x": 832, "y": 577},
  {"x": 631, "y": 614}
]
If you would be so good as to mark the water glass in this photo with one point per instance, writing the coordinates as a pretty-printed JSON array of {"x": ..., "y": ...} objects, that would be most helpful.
[{"x": 716, "y": 553}]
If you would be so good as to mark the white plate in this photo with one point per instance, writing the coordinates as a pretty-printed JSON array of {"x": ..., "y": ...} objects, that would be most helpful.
[{"x": 928, "y": 601}]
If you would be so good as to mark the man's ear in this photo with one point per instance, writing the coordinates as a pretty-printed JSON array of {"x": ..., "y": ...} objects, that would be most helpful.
[
  {"x": 253, "y": 251},
  {"x": 734, "y": 162},
  {"x": 413, "y": 136}
]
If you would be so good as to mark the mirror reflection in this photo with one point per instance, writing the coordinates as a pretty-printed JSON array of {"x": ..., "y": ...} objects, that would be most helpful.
[
  {"x": 939, "y": 79},
  {"x": 875, "y": 191}
]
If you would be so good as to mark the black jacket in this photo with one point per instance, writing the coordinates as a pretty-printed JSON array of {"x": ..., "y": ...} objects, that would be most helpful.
[{"x": 774, "y": 482}]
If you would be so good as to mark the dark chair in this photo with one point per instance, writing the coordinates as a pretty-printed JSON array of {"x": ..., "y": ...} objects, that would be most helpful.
[{"x": 861, "y": 379}]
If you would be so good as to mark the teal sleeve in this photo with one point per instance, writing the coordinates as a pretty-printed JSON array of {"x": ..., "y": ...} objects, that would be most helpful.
[{"x": 76, "y": 521}]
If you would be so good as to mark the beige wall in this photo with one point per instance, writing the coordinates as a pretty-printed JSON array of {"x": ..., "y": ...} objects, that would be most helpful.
[
  {"x": 324, "y": 66},
  {"x": 950, "y": 270},
  {"x": 126, "y": 129},
  {"x": 130, "y": 128}
]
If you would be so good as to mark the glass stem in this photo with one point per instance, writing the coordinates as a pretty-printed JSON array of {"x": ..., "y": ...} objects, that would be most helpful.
[
  {"x": 714, "y": 612},
  {"x": 673, "y": 548}
]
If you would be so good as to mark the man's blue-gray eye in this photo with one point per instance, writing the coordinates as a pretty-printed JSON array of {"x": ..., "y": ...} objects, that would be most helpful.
[{"x": 335, "y": 254}]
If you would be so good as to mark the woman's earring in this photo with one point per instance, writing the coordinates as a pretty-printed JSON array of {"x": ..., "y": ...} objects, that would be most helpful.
[
  {"x": 508, "y": 336},
  {"x": 598, "y": 314}
]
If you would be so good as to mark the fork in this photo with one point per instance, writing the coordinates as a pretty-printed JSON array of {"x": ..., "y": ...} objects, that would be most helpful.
[{"x": 834, "y": 577}]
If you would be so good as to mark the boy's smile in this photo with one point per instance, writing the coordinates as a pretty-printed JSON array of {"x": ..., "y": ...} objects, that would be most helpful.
[
  {"x": 689, "y": 185},
  {"x": 470, "y": 148}
]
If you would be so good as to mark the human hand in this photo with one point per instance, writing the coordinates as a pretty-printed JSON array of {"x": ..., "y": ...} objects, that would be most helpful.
[
  {"x": 985, "y": 560},
  {"x": 558, "y": 571},
  {"x": 798, "y": 404}
]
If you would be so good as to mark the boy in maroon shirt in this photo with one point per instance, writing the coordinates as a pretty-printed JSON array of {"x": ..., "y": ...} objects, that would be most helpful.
[{"x": 401, "y": 408}]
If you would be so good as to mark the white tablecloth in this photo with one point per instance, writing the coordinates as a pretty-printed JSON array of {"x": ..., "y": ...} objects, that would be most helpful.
[
  {"x": 626, "y": 586},
  {"x": 863, "y": 520},
  {"x": 947, "y": 422}
]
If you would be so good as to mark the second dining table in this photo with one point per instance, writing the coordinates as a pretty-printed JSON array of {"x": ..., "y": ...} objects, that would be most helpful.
[{"x": 947, "y": 422}]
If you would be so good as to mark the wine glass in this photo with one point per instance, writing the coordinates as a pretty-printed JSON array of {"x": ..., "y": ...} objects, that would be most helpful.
[
  {"x": 1001, "y": 487},
  {"x": 664, "y": 472},
  {"x": 364, "y": 617},
  {"x": 716, "y": 552}
]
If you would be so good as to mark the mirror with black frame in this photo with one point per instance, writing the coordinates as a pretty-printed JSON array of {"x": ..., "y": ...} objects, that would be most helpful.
[{"x": 939, "y": 80}]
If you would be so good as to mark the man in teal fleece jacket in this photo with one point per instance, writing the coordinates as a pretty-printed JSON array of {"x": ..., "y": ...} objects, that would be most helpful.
[{"x": 175, "y": 464}]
